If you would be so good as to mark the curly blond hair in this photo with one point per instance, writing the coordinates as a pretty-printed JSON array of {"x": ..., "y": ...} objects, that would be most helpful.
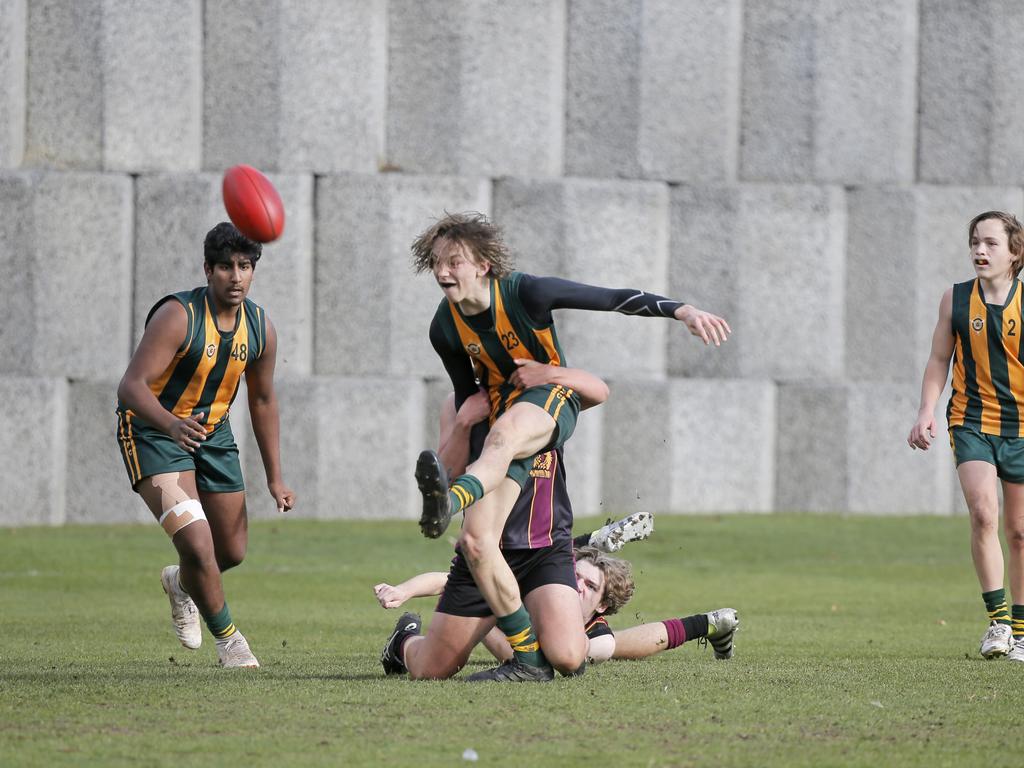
[
  {"x": 474, "y": 232},
  {"x": 618, "y": 577}
]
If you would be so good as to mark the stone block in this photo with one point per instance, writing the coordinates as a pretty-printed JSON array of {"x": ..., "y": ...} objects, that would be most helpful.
[
  {"x": 972, "y": 70},
  {"x": 348, "y": 448},
  {"x": 98, "y": 487},
  {"x": 842, "y": 447},
  {"x": 653, "y": 89},
  {"x": 33, "y": 447},
  {"x": 476, "y": 87},
  {"x": 770, "y": 259},
  {"x": 684, "y": 446},
  {"x": 101, "y": 94},
  {"x": 829, "y": 91},
  {"x": 152, "y": 57},
  {"x": 372, "y": 312},
  {"x": 607, "y": 233},
  {"x": 13, "y": 33},
  {"x": 70, "y": 314},
  {"x": 906, "y": 246},
  {"x": 295, "y": 86}
]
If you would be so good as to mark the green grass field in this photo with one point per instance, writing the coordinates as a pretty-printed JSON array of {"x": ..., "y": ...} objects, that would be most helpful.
[{"x": 858, "y": 647}]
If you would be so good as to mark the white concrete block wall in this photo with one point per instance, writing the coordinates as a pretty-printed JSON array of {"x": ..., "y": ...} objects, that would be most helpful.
[
  {"x": 829, "y": 91},
  {"x": 13, "y": 33},
  {"x": 771, "y": 260},
  {"x": 372, "y": 312},
  {"x": 690, "y": 446},
  {"x": 806, "y": 169},
  {"x": 152, "y": 108},
  {"x": 98, "y": 487},
  {"x": 74, "y": 245},
  {"x": 476, "y": 87},
  {"x": 33, "y": 441},
  {"x": 348, "y": 448},
  {"x": 652, "y": 89},
  {"x": 842, "y": 447},
  {"x": 601, "y": 232},
  {"x": 972, "y": 72},
  {"x": 906, "y": 246},
  {"x": 293, "y": 86}
]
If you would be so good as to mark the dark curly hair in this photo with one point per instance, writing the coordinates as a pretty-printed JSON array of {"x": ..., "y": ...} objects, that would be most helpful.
[
  {"x": 474, "y": 231},
  {"x": 618, "y": 577},
  {"x": 224, "y": 240}
]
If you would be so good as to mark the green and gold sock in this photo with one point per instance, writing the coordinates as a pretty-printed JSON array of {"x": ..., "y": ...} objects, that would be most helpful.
[
  {"x": 220, "y": 623},
  {"x": 1018, "y": 622},
  {"x": 995, "y": 604},
  {"x": 518, "y": 630},
  {"x": 464, "y": 491}
]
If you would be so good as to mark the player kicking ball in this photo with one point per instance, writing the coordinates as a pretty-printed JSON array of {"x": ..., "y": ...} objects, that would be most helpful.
[
  {"x": 490, "y": 320},
  {"x": 176, "y": 440}
]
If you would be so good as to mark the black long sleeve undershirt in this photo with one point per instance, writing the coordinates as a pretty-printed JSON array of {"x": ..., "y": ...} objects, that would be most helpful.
[{"x": 540, "y": 295}]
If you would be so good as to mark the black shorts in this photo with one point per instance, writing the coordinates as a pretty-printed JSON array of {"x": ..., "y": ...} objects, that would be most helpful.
[{"x": 532, "y": 568}]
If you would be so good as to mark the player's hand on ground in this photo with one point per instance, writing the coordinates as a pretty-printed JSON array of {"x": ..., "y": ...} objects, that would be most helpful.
[
  {"x": 389, "y": 596},
  {"x": 923, "y": 433},
  {"x": 188, "y": 433},
  {"x": 475, "y": 409},
  {"x": 283, "y": 495},
  {"x": 530, "y": 373},
  {"x": 709, "y": 328}
]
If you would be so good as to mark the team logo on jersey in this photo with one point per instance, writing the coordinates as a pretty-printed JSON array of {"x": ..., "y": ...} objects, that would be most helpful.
[
  {"x": 211, "y": 350},
  {"x": 541, "y": 465},
  {"x": 977, "y": 324},
  {"x": 473, "y": 349}
]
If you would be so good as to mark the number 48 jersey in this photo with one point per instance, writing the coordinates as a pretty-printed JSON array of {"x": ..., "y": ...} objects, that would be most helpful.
[{"x": 204, "y": 374}]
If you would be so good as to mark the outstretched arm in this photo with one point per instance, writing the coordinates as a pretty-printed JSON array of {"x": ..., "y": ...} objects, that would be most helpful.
[
  {"x": 421, "y": 585},
  {"x": 540, "y": 295}
]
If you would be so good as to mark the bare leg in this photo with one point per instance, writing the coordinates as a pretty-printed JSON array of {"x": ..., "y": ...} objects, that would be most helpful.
[
  {"x": 445, "y": 648},
  {"x": 200, "y": 574},
  {"x": 523, "y": 430},
  {"x": 229, "y": 525},
  {"x": 479, "y": 541},
  {"x": 978, "y": 482},
  {"x": 558, "y": 622},
  {"x": 1013, "y": 522}
]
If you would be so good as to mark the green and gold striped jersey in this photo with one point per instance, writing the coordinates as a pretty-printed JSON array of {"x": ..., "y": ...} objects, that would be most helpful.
[
  {"x": 493, "y": 341},
  {"x": 204, "y": 374},
  {"x": 988, "y": 376}
]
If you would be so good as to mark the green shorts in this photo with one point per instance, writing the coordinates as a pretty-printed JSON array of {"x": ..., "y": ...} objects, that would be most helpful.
[
  {"x": 147, "y": 451},
  {"x": 563, "y": 405},
  {"x": 1005, "y": 453}
]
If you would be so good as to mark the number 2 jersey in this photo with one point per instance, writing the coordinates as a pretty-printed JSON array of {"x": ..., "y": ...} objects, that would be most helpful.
[
  {"x": 204, "y": 374},
  {"x": 988, "y": 376}
]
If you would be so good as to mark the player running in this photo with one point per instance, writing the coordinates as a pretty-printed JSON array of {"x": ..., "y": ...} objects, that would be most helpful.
[{"x": 176, "y": 439}]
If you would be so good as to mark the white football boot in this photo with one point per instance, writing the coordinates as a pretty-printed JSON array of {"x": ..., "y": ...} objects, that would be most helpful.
[
  {"x": 1017, "y": 652},
  {"x": 997, "y": 642},
  {"x": 722, "y": 626},
  {"x": 234, "y": 652},
  {"x": 184, "y": 614},
  {"x": 611, "y": 537}
]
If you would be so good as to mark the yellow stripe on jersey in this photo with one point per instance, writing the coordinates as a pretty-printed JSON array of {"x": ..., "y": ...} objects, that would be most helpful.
[
  {"x": 158, "y": 385},
  {"x": 547, "y": 341},
  {"x": 1014, "y": 369},
  {"x": 959, "y": 400},
  {"x": 240, "y": 352},
  {"x": 471, "y": 341},
  {"x": 982, "y": 371},
  {"x": 506, "y": 333},
  {"x": 183, "y": 408}
]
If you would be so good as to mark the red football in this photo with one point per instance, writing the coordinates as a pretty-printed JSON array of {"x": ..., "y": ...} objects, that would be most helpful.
[{"x": 253, "y": 204}]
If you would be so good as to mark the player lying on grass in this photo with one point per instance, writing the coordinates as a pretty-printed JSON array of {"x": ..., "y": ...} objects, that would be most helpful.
[
  {"x": 605, "y": 585},
  {"x": 489, "y": 319}
]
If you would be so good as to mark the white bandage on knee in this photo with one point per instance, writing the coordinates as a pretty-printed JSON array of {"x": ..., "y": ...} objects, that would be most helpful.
[{"x": 180, "y": 515}]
